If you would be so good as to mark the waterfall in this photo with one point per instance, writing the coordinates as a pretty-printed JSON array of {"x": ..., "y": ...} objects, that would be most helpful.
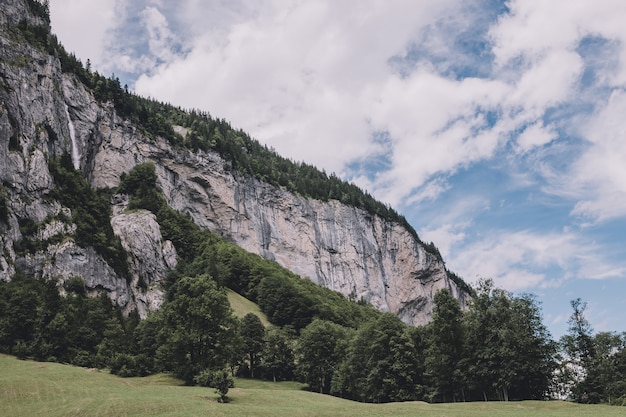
[{"x": 75, "y": 154}]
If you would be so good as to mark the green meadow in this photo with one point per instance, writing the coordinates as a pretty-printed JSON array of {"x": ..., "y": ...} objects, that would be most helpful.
[
  {"x": 48, "y": 389},
  {"x": 242, "y": 306}
]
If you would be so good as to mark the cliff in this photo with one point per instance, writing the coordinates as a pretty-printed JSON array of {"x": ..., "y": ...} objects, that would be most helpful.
[{"x": 45, "y": 113}]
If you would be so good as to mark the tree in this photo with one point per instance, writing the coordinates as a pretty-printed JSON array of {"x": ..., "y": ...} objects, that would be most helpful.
[
  {"x": 444, "y": 353},
  {"x": 283, "y": 303},
  {"x": 381, "y": 364},
  {"x": 278, "y": 355},
  {"x": 579, "y": 350},
  {"x": 253, "y": 336},
  {"x": 508, "y": 347},
  {"x": 605, "y": 382},
  {"x": 198, "y": 328},
  {"x": 535, "y": 361},
  {"x": 20, "y": 300},
  {"x": 219, "y": 379},
  {"x": 319, "y": 352}
]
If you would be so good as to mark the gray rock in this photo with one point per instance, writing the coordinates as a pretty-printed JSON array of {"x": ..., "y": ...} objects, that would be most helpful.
[{"x": 45, "y": 114}]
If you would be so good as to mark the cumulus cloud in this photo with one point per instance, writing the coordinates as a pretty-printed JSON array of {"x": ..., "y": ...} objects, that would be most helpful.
[
  {"x": 600, "y": 174},
  {"x": 85, "y": 26},
  {"x": 161, "y": 40},
  {"x": 521, "y": 260},
  {"x": 533, "y": 89},
  {"x": 298, "y": 76},
  {"x": 534, "y": 136}
]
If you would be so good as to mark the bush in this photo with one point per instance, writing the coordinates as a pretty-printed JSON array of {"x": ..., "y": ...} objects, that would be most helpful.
[{"x": 220, "y": 380}]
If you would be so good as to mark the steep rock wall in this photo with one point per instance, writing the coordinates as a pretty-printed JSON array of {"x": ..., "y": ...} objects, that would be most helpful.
[
  {"x": 35, "y": 127},
  {"x": 334, "y": 245},
  {"x": 45, "y": 114}
]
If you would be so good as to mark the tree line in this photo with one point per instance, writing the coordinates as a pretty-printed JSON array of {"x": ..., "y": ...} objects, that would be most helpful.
[
  {"x": 498, "y": 349},
  {"x": 196, "y": 337}
]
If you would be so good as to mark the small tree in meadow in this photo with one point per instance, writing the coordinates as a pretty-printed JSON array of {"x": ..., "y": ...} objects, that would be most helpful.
[{"x": 220, "y": 380}]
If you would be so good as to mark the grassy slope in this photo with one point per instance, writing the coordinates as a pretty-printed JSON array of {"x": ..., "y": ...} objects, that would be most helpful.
[
  {"x": 242, "y": 306},
  {"x": 47, "y": 389}
]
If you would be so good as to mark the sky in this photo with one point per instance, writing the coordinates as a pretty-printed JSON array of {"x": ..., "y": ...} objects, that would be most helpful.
[{"x": 497, "y": 128}]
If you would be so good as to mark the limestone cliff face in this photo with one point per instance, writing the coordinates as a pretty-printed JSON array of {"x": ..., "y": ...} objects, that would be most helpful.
[
  {"x": 334, "y": 245},
  {"x": 45, "y": 113}
]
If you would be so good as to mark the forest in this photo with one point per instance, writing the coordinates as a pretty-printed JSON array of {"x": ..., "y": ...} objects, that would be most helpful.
[{"x": 498, "y": 349}]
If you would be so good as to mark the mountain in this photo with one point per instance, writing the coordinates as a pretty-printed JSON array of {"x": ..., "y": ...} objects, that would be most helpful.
[{"x": 52, "y": 109}]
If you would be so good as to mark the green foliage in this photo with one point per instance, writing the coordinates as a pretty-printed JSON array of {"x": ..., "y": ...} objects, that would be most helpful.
[
  {"x": 509, "y": 353},
  {"x": 36, "y": 322},
  {"x": 253, "y": 336},
  {"x": 278, "y": 359},
  {"x": 35, "y": 34},
  {"x": 596, "y": 363},
  {"x": 284, "y": 305},
  {"x": 198, "y": 328},
  {"x": 319, "y": 351},
  {"x": 140, "y": 184},
  {"x": 380, "y": 364},
  {"x": 91, "y": 212},
  {"x": 220, "y": 380},
  {"x": 445, "y": 349}
]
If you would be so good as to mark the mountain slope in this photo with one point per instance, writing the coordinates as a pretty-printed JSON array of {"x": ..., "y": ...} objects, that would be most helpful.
[{"x": 52, "y": 108}]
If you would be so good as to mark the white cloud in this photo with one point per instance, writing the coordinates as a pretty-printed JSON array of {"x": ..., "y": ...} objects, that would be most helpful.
[
  {"x": 538, "y": 42},
  {"x": 445, "y": 237},
  {"x": 297, "y": 76},
  {"x": 161, "y": 40},
  {"x": 84, "y": 27},
  {"x": 600, "y": 174},
  {"x": 547, "y": 83},
  {"x": 526, "y": 259},
  {"x": 436, "y": 125},
  {"x": 535, "y": 135}
]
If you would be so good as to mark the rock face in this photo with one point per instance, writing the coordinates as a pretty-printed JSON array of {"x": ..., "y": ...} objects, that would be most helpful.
[
  {"x": 150, "y": 258},
  {"x": 45, "y": 113}
]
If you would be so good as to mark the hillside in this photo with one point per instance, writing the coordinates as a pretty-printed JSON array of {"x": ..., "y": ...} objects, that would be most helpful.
[
  {"x": 317, "y": 226},
  {"x": 242, "y": 306}
]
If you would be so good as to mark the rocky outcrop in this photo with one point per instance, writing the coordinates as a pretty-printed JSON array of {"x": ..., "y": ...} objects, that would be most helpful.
[
  {"x": 45, "y": 113},
  {"x": 334, "y": 245},
  {"x": 150, "y": 258}
]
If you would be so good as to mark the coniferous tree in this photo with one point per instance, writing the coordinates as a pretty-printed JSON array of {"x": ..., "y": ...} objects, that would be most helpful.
[
  {"x": 579, "y": 350},
  {"x": 444, "y": 353}
]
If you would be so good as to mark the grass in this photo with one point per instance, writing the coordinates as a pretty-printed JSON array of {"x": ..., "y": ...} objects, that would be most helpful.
[
  {"x": 47, "y": 389},
  {"x": 242, "y": 306}
]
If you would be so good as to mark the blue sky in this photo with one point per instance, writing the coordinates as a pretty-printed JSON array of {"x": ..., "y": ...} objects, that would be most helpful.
[{"x": 497, "y": 128}]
